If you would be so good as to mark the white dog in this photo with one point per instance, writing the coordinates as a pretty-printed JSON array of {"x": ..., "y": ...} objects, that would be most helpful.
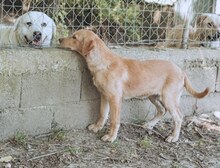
[{"x": 33, "y": 28}]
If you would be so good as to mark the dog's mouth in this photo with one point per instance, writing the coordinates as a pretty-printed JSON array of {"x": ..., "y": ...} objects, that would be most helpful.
[
  {"x": 214, "y": 37},
  {"x": 36, "y": 40}
]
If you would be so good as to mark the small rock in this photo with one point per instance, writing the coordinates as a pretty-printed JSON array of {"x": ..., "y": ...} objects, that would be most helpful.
[
  {"x": 217, "y": 114},
  {"x": 204, "y": 116},
  {"x": 6, "y": 159},
  {"x": 8, "y": 165}
]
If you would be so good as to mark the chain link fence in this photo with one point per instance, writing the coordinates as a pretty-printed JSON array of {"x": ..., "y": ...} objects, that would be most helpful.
[{"x": 123, "y": 22}]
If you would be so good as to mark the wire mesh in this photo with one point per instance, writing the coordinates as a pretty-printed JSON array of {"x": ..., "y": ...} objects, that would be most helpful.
[{"x": 122, "y": 22}]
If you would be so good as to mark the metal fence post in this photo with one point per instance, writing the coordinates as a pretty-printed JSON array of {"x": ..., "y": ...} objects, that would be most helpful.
[{"x": 185, "y": 34}]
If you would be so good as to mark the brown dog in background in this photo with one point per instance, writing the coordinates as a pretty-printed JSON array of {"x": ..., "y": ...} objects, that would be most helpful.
[
  {"x": 117, "y": 78},
  {"x": 207, "y": 27}
]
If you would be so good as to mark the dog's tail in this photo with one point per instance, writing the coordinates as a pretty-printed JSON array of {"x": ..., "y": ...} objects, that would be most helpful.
[{"x": 194, "y": 93}]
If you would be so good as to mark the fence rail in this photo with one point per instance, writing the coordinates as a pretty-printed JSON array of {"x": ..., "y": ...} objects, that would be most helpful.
[{"x": 123, "y": 22}]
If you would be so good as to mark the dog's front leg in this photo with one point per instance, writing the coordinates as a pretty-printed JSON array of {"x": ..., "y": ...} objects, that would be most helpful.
[
  {"x": 115, "y": 107},
  {"x": 103, "y": 115}
]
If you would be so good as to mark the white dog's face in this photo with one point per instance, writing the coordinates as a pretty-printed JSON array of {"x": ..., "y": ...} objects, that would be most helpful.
[{"x": 35, "y": 28}]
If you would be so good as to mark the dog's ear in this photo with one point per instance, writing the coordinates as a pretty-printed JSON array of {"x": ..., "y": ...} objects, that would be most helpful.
[
  {"x": 53, "y": 26},
  {"x": 16, "y": 23},
  {"x": 88, "y": 45}
]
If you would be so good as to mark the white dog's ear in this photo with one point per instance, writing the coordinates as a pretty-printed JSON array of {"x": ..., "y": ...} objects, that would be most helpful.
[
  {"x": 53, "y": 31},
  {"x": 16, "y": 23},
  {"x": 53, "y": 26}
]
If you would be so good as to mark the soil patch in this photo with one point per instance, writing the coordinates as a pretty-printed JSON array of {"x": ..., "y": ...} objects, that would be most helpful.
[{"x": 135, "y": 147}]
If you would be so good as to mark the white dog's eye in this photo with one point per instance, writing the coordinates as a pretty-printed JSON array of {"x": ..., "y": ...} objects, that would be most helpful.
[
  {"x": 74, "y": 37},
  {"x": 29, "y": 24},
  {"x": 44, "y": 24}
]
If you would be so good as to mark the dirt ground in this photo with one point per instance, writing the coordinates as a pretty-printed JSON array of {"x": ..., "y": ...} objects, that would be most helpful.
[{"x": 134, "y": 148}]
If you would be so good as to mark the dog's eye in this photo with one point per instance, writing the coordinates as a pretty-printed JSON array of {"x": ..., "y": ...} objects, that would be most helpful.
[
  {"x": 43, "y": 24},
  {"x": 209, "y": 24},
  {"x": 29, "y": 24},
  {"x": 74, "y": 37}
]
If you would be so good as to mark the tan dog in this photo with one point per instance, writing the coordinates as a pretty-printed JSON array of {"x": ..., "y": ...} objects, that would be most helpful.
[
  {"x": 207, "y": 28},
  {"x": 117, "y": 78}
]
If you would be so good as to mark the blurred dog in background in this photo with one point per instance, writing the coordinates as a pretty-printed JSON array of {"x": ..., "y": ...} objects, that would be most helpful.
[
  {"x": 206, "y": 29},
  {"x": 12, "y": 10}
]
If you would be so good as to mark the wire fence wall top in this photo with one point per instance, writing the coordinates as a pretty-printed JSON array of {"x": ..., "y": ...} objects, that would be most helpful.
[{"x": 126, "y": 22}]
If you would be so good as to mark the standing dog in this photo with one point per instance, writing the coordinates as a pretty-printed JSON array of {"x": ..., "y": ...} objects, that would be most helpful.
[
  {"x": 117, "y": 78},
  {"x": 33, "y": 28}
]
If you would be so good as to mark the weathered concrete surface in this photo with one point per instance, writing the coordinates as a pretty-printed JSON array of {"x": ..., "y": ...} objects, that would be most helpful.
[
  {"x": 48, "y": 88},
  {"x": 218, "y": 81},
  {"x": 44, "y": 89},
  {"x": 9, "y": 91}
]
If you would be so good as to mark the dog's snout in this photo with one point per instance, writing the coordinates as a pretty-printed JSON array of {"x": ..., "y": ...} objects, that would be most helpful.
[{"x": 37, "y": 35}]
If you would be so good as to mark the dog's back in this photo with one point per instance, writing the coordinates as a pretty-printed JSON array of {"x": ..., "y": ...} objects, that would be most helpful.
[
  {"x": 5, "y": 31},
  {"x": 146, "y": 78}
]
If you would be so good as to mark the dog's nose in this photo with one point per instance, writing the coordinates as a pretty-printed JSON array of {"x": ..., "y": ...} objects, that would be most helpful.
[
  {"x": 60, "y": 40},
  {"x": 37, "y": 35}
]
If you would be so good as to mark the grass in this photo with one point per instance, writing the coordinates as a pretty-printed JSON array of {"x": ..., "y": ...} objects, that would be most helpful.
[
  {"x": 20, "y": 138},
  {"x": 145, "y": 143},
  {"x": 58, "y": 135},
  {"x": 139, "y": 120},
  {"x": 175, "y": 165},
  {"x": 74, "y": 150}
]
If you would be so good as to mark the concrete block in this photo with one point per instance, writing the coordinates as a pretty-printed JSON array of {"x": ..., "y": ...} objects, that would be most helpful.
[
  {"x": 208, "y": 104},
  {"x": 76, "y": 114},
  {"x": 31, "y": 121},
  {"x": 10, "y": 87},
  {"x": 28, "y": 60},
  {"x": 47, "y": 88},
  {"x": 218, "y": 81},
  {"x": 187, "y": 105},
  {"x": 201, "y": 78},
  {"x": 88, "y": 90},
  {"x": 36, "y": 120},
  {"x": 137, "y": 109},
  {"x": 10, "y": 122}
]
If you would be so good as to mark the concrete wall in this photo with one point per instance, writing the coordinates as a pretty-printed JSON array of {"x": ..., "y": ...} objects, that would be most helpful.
[{"x": 49, "y": 88}]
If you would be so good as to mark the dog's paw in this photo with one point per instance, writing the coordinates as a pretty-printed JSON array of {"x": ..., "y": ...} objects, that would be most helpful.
[
  {"x": 171, "y": 139},
  {"x": 94, "y": 127},
  {"x": 108, "y": 138}
]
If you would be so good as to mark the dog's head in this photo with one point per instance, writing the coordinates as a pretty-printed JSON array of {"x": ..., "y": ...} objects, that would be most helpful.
[
  {"x": 35, "y": 28},
  {"x": 82, "y": 41},
  {"x": 209, "y": 25}
]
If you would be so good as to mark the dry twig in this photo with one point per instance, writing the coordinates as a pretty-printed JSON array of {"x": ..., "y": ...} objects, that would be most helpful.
[
  {"x": 154, "y": 131},
  {"x": 45, "y": 155}
]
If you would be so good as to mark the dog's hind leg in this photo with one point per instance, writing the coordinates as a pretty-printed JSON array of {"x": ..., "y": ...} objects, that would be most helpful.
[
  {"x": 172, "y": 105},
  {"x": 103, "y": 115},
  {"x": 177, "y": 125},
  {"x": 160, "y": 111}
]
